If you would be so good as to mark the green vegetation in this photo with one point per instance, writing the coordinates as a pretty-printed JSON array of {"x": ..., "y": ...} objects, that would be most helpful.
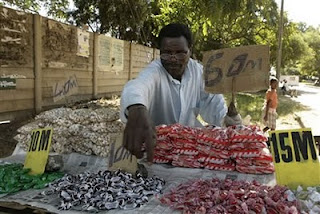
[
  {"x": 215, "y": 24},
  {"x": 252, "y": 103}
]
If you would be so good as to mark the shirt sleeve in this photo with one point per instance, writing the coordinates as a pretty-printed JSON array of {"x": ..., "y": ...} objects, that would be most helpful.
[
  {"x": 138, "y": 91},
  {"x": 213, "y": 107}
]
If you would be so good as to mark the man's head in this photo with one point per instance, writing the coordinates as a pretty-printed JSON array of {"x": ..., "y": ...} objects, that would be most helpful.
[
  {"x": 273, "y": 82},
  {"x": 175, "y": 42}
]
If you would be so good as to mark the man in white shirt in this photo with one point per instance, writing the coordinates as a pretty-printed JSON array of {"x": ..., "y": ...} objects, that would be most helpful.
[{"x": 167, "y": 91}]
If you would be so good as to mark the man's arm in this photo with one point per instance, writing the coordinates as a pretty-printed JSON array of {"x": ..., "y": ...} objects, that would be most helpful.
[
  {"x": 139, "y": 129},
  {"x": 135, "y": 101},
  {"x": 212, "y": 108}
]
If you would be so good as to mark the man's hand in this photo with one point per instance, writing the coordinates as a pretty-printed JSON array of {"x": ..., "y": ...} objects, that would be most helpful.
[{"x": 139, "y": 129}]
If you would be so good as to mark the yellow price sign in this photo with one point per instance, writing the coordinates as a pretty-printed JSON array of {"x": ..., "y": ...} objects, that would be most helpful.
[
  {"x": 295, "y": 157},
  {"x": 38, "y": 150}
]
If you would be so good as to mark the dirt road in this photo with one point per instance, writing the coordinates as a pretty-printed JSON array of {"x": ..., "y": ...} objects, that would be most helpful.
[{"x": 309, "y": 95}]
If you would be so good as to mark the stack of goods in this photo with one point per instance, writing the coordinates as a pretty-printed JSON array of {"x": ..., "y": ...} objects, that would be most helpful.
[
  {"x": 177, "y": 144},
  {"x": 213, "y": 147},
  {"x": 84, "y": 128},
  {"x": 227, "y": 196},
  {"x": 104, "y": 190},
  {"x": 248, "y": 148},
  {"x": 14, "y": 178},
  {"x": 241, "y": 148}
]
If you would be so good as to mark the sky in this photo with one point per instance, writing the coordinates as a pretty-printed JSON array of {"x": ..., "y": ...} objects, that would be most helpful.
[{"x": 307, "y": 11}]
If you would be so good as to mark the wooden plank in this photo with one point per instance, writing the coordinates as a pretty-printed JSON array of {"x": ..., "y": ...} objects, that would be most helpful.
[
  {"x": 26, "y": 72},
  {"x": 25, "y": 83},
  {"x": 109, "y": 75},
  {"x": 95, "y": 65},
  {"x": 52, "y": 82},
  {"x": 65, "y": 73},
  {"x": 15, "y": 105},
  {"x": 37, "y": 40},
  {"x": 9, "y": 95},
  {"x": 112, "y": 82},
  {"x": 107, "y": 89},
  {"x": 47, "y": 92}
]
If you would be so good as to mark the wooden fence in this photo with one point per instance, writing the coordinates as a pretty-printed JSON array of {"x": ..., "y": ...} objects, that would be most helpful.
[{"x": 45, "y": 63}]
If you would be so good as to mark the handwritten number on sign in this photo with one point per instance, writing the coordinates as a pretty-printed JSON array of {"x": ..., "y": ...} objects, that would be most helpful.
[
  {"x": 238, "y": 61},
  {"x": 213, "y": 70}
]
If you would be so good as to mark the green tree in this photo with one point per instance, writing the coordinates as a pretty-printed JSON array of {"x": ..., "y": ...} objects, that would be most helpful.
[
  {"x": 123, "y": 19},
  {"x": 223, "y": 23},
  {"x": 310, "y": 63},
  {"x": 54, "y": 8}
]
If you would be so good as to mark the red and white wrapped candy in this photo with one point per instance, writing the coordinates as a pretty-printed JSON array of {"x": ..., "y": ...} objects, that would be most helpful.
[
  {"x": 227, "y": 196},
  {"x": 208, "y": 159},
  {"x": 210, "y": 151},
  {"x": 185, "y": 151},
  {"x": 241, "y": 148},
  {"x": 241, "y": 133}
]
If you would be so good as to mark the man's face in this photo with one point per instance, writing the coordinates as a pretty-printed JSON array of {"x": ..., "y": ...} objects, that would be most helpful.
[{"x": 175, "y": 54}]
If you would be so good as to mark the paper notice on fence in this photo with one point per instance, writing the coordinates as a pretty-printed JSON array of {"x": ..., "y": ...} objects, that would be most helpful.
[
  {"x": 247, "y": 68},
  {"x": 83, "y": 43},
  {"x": 111, "y": 54}
]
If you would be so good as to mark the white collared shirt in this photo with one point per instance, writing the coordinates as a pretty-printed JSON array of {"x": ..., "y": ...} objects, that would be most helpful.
[{"x": 170, "y": 101}]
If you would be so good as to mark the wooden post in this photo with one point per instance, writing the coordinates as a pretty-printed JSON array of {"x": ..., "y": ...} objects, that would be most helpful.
[
  {"x": 130, "y": 61},
  {"x": 95, "y": 65},
  {"x": 37, "y": 41}
]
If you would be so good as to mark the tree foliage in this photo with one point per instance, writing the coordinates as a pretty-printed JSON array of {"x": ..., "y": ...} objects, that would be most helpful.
[
  {"x": 54, "y": 8},
  {"x": 310, "y": 62},
  {"x": 214, "y": 23}
]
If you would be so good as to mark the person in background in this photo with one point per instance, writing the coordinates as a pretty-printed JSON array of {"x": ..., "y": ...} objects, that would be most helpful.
[
  {"x": 169, "y": 90},
  {"x": 269, "y": 111}
]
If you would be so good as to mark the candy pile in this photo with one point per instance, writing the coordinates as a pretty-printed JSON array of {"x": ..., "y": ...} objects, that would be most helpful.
[
  {"x": 104, "y": 190},
  {"x": 14, "y": 178},
  {"x": 241, "y": 148},
  {"x": 227, "y": 196},
  {"x": 85, "y": 128},
  {"x": 309, "y": 199}
]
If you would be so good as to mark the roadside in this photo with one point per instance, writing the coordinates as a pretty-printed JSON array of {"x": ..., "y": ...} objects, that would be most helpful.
[{"x": 309, "y": 95}]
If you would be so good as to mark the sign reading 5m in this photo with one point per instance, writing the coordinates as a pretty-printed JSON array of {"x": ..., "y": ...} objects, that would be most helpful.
[
  {"x": 295, "y": 157},
  {"x": 38, "y": 150}
]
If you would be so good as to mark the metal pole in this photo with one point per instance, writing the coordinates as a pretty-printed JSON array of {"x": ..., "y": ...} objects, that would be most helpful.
[{"x": 280, "y": 41}]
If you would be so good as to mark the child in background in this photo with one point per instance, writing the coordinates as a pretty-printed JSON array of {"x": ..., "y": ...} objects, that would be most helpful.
[{"x": 269, "y": 111}]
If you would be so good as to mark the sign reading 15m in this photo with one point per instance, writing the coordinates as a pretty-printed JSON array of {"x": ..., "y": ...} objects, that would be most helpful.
[
  {"x": 295, "y": 158},
  {"x": 301, "y": 148}
]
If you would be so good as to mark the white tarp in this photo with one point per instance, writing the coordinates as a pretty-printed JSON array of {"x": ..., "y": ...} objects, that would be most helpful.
[{"x": 75, "y": 163}]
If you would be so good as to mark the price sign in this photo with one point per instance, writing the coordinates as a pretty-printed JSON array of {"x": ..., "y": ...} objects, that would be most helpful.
[
  {"x": 38, "y": 150},
  {"x": 295, "y": 157}
]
